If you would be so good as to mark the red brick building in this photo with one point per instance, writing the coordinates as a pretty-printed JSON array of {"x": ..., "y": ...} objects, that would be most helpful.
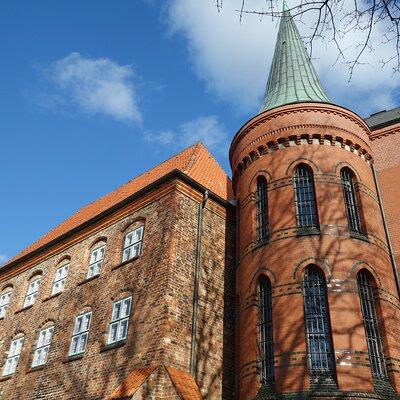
[{"x": 181, "y": 284}]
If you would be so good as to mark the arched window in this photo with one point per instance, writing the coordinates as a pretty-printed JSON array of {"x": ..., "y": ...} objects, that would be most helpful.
[
  {"x": 96, "y": 259},
  {"x": 319, "y": 341},
  {"x": 14, "y": 353},
  {"x": 80, "y": 334},
  {"x": 350, "y": 200},
  {"x": 43, "y": 346},
  {"x": 118, "y": 330},
  {"x": 306, "y": 207},
  {"x": 365, "y": 282},
  {"x": 5, "y": 298},
  {"x": 266, "y": 342},
  {"x": 33, "y": 290},
  {"x": 132, "y": 246},
  {"x": 262, "y": 209},
  {"x": 60, "y": 278}
]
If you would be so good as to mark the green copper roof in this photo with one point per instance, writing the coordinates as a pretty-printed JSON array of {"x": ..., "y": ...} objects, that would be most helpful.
[{"x": 292, "y": 77}]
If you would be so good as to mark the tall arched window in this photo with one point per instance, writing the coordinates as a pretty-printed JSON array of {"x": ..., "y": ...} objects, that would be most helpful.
[
  {"x": 318, "y": 331},
  {"x": 306, "y": 207},
  {"x": 262, "y": 209},
  {"x": 350, "y": 200},
  {"x": 366, "y": 285},
  {"x": 266, "y": 342}
]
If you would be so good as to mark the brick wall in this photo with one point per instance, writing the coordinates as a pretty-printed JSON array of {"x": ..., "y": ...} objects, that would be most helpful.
[
  {"x": 326, "y": 138},
  {"x": 161, "y": 284}
]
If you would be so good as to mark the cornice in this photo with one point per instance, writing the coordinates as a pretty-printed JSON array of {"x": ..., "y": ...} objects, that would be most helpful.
[{"x": 295, "y": 109}]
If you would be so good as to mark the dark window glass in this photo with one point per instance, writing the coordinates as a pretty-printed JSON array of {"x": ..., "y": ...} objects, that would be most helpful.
[
  {"x": 350, "y": 200},
  {"x": 262, "y": 209},
  {"x": 320, "y": 348},
  {"x": 265, "y": 329},
  {"x": 371, "y": 325},
  {"x": 306, "y": 209}
]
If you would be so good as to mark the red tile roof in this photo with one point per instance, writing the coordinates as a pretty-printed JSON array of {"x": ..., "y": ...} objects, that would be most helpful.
[
  {"x": 132, "y": 383},
  {"x": 184, "y": 384},
  {"x": 195, "y": 161}
]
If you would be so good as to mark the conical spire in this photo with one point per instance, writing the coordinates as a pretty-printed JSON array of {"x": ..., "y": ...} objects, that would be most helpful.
[{"x": 292, "y": 77}]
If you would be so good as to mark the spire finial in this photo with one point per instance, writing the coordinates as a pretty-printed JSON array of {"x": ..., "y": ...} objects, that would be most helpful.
[
  {"x": 285, "y": 6},
  {"x": 292, "y": 77}
]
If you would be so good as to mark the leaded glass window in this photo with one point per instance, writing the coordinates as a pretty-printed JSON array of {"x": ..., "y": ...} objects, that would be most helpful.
[
  {"x": 319, "y": 342},
  {"x": 262, "y": 209},
  {"x": 371, "y": 324},
  {"x": 306, "y": 207},
  {"x": 266, "y": 343},
  {"x": 351, "y": 201}
]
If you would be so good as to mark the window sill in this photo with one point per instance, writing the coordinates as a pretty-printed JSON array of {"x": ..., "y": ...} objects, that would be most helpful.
[
  {"x": 33, "y": 369},
  {"x": 88, "y": 280},
  {"x": 308, "y": 231},
  {"x": 51, "y": 297},
  {"x": 114, "y": 345},
  {"x": 6, "y": 378},
  {"x": 124, "y": 263},
  {"x": 73, "y": 358},
  {"x": 359, "y": 236},
  {"x": 23, "y": 309}
]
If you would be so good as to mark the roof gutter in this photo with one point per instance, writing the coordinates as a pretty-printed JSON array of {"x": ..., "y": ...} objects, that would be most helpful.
[
  {"x": 176, "y": 173},
  {"x": 197, "y": 276}
]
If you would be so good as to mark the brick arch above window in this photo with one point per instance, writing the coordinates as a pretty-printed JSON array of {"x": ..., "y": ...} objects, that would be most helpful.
[
  {"x": 36, "y": 274},
  {"x": 258, "y": 275},
  {"x": 337, "y": 168},
  {"x": 7, "y": 287},
  {"x": 253, "y": 182},
  {"x": 306, "y": 262},
  {"x": 362, "y": 264},
  {"x": 290, "y": 170},
  {"x": 132, "y": 222},
  {"x": 63, "y": 259}
]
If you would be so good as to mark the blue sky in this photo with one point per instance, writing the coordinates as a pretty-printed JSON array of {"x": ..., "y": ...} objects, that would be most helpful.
[{"x": 94, "y": 93}]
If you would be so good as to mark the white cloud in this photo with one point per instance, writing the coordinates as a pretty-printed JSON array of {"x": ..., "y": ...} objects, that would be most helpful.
[
  {"x": 3, "y": 259},
  {"x": 98, "y": 86},
  {"x": 233, "y": 58},
  {"x": 205, "y": 129}
]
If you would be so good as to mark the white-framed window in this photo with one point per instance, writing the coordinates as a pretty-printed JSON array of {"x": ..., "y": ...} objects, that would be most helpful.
[
  {"x": 96, "y": 261},
  {"x": 43, "y": 346},
  {"x": 5, "y": 301},
  {"x": 60, "y": 278},
  {"x": 14, "y": 353},
  {"x": 133, "y": 243},
  {"x": 80, "y": 334},
  {"x": 119, "y": 320},
  {"x": 33, "y": 289}
]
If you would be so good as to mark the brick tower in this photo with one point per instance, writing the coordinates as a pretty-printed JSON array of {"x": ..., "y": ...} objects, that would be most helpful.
[{"x": 317, "y": 291}]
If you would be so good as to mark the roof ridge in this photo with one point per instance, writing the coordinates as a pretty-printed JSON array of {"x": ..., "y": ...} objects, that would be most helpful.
[{"x": 194, "y": 156}]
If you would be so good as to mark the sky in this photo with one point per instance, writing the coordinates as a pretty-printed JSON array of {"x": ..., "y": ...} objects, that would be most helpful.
[{"x": 93, "y": 93}]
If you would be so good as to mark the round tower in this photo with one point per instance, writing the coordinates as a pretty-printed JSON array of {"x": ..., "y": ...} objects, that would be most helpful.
[{"x": 317, "y": 293}]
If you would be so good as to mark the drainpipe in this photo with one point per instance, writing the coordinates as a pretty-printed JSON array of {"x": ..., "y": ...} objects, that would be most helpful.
[
  {"x": 192, "y": 366},
  {"x": 391, "y": 253}
]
